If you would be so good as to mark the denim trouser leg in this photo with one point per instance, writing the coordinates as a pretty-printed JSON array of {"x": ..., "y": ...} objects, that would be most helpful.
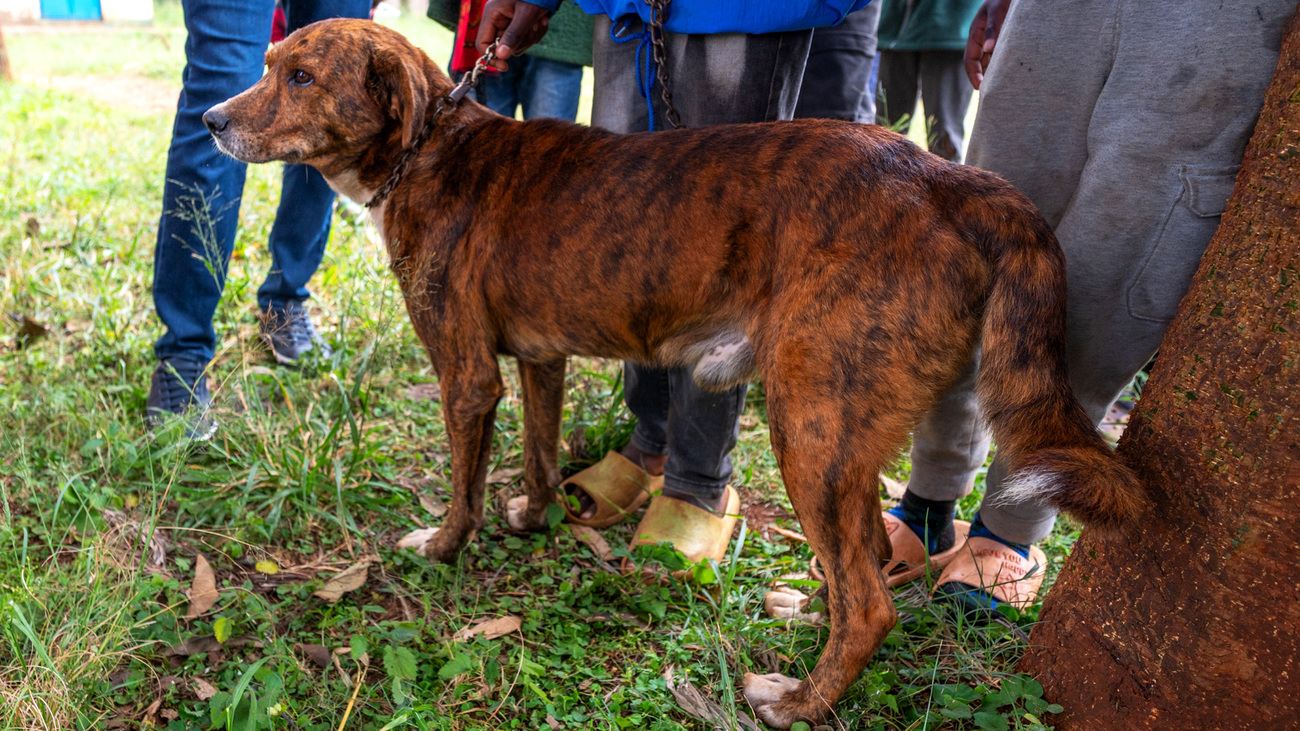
[
  {"x": 500, "y": 91},
  {"x": 224, "y": 56},
  {"x": 224, "y": 49},
  {"x": 550, "y": 89},
  {"x": 298, "y": 235},
  {"x": 717, "y": 79}
]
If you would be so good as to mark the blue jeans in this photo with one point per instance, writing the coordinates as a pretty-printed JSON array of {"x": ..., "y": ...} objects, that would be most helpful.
[
  {"x": 223, "y": 57},
  {"x": 544, "y": 88}
]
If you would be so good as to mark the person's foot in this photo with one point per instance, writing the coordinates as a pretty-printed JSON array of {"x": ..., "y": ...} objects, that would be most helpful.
[
  {"x": 179, "y": 389},
  {"x": 989, "y": 571},
  {"x": 288, "y": 331}
]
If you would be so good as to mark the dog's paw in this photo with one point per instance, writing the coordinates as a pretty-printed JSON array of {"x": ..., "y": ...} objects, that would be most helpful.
[
  {"x": 418, "y": 540},
  {"x": 517, "y": 512},
  {"x": 766, "y": 693},
  {"x": 789, "y": 604}
]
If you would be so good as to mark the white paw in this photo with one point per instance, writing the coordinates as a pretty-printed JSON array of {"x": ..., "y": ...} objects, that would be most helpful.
[
  {"x": 786, "y": 603},
  {"x": 763, "y": 693},
  {"x": 418, "y": 540},
  {"x": 515, "y": 509}
]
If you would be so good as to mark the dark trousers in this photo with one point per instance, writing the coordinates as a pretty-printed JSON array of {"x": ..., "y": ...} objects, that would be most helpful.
[
  {"x": 940, "y": 78},
  {"x": 716, "y": 79},
  {"x": 224, "y": 56},
  {"x": 837, "y": 79}
]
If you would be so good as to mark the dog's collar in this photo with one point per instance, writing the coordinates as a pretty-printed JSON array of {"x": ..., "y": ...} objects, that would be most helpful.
[
  {"x": 446, "y": 104},
  {"x": 408, "y": 155}
]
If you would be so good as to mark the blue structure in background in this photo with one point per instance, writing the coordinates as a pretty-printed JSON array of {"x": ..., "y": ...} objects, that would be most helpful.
[{"x": 70, "y": 10}]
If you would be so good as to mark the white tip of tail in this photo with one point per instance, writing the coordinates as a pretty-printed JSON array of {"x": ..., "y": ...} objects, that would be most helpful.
[{"x": 1030, "y": 485}]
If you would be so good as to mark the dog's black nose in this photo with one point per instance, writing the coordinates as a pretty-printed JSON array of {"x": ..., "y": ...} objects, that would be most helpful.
[{"x": 216, "y": 120}]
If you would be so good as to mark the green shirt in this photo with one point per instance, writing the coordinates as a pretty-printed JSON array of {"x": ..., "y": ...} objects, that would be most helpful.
[
  {"x": 568, "y": 39},
  {"x": 925, "y": 25}
]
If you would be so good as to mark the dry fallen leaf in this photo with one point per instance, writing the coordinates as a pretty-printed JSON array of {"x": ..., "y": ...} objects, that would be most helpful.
[
  {"x": 29, "y": 330},
  {"x": 424, "y": 392},
  {"x": 203, "y": 592},
  {"x": 594, "y": 540},
  {"x": 490, "y": 629},
  {"x": 349, "y": 579},
  {"x": 33, "y": 226},
  {"x": 151, "y": 710},
  {"x": 209, "y": 643},
  {"x": 436, "y": 508},
  {"x": 316, "y": 653},
  {"x": 203, "y": 690},
  {"x": 893, "y": 488},
  {"x": 695, "y": 703},
  {"x": 504, "y": 476}
]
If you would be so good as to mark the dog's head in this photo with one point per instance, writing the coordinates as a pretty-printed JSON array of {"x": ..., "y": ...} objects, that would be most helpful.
[{"x": 332, "y": 90}]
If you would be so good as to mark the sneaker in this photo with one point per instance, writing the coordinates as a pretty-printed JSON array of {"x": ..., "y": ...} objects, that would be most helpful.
[
  {"x": 179, "y": 388},
  {"x": 288, "y": 331}
]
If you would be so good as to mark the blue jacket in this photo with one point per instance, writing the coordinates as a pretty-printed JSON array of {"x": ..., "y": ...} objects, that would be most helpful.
[{"x": 726, "y": 16}]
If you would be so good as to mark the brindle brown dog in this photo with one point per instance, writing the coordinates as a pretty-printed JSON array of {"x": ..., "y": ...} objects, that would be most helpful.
[{"x": 850, "y": 269}]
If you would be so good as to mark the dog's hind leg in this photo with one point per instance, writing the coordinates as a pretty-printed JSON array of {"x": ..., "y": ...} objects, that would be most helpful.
[
  {"x": 831, "y": 438},
  {"x": 471, "y": 388},
  {"x": 543, "y": 387}
]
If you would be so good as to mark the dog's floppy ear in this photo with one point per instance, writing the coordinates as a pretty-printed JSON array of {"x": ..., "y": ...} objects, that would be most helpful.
[{"x": 401, "y": 84}]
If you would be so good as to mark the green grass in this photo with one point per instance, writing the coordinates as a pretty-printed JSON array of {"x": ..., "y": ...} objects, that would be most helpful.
[{"x": 318, "y": 467}]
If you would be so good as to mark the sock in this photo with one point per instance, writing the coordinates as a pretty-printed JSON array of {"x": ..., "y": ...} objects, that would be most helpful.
[
  {"x": 979, "y": 530},
  {"x": 930, "y": 520}
]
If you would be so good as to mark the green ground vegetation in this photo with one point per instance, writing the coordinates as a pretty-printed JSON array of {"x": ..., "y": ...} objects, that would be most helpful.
[{"x": 105, "y": 530}]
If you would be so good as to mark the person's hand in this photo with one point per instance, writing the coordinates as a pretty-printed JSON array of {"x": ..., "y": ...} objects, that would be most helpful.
[
  {"x": 518, "y": 24},
  {"x": 983, "y": 37}
]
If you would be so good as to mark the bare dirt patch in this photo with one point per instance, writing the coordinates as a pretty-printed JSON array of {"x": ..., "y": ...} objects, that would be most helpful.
[{"x": 134, "y": 93}]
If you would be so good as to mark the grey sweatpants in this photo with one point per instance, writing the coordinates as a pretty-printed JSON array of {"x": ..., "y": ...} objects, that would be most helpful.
[
  {"x": 714, "y": 79},
  {"x": 1124, "y": 121}
]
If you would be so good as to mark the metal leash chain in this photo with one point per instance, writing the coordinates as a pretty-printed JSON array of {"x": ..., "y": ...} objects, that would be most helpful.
[
  {"x": 658, "y": 14},
  {"x": 445, "y": 104}
]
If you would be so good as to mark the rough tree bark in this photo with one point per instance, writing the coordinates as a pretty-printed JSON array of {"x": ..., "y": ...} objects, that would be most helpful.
[{"x": 1193, "y": 621}]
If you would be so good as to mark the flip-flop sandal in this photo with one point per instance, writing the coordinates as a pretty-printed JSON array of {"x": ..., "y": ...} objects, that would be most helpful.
[
  {"x": 909, "y": 561},
  {"x": 617, "y": 485},
  {"x": 697, "y": 533},
  {"x": 986, "y": 573}
]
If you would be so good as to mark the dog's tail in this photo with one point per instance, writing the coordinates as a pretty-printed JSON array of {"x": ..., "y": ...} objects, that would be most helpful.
[{"x": 1053, "y": 451}]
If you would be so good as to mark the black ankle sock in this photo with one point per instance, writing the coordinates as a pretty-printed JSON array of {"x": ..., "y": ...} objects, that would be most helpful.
[{"x": 930, "y": 520}]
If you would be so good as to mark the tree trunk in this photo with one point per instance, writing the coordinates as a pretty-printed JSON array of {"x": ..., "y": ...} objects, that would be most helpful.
[
  {"x": 1193, "y": 621},
  {"x": 5, "y": 73}
]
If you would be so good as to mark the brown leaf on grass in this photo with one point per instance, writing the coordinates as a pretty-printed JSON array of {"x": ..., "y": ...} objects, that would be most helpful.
[
  {"x": 423, "y": 392},
  {"x": 594, "y": 540},
  {"x": 349, "y": 579},
  {"x": 504, "y": 476},
  {"x": 490, "y": 629},
  {"x": 203, "y": 690},
  {"x": 203, "y": 592},
  {"x": 316, "y": 653},
  {"x": 151, "y": 710},
  {"x": 552, "y": 721},
  {"x": 33, "y": 226},
  {"x": 693, "y": 701},
  {"x": 29, "y": 330},
  {"x": 436, "y": 508},
  {"x": 208, "y": 643}
]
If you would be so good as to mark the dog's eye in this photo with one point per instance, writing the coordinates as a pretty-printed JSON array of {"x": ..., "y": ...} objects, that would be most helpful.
[{"x": 301, "y": 78}]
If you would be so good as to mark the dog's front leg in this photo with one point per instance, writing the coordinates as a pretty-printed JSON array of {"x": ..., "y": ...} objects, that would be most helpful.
[
  {"x": 543, "y": 387},
  {"x": 471, "y": 388}
]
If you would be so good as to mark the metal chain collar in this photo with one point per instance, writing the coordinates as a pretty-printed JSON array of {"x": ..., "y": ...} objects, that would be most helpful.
[
  {"x": 447, "y": 103},
  {"x": 658, "y": 14}
]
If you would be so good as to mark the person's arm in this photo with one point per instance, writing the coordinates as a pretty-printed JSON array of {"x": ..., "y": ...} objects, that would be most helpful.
[
  {"x": 518, "y": 23},
  {"x": 983, "y": 37}
]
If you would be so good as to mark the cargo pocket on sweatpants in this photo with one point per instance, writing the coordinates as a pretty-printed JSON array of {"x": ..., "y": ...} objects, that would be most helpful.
[{"x": 1189, "y": 224}]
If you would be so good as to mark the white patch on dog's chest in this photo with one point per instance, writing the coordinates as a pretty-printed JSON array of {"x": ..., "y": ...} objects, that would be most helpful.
[{"x": 347, "y": 184}]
